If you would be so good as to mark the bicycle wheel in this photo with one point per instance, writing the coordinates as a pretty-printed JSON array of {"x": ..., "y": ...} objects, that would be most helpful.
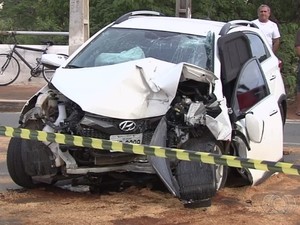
[
  {"x": 47, "y": 73},
  {"x": 9, "y": 69}
]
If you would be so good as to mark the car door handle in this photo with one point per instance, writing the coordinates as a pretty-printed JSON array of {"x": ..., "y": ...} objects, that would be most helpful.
[
  {"x": 273, "y": 112},
  {"x": 273, "y": 77}
]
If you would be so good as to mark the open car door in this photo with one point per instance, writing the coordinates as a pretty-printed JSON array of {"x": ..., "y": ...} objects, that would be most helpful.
[
  {"x": 234, "y": 51},
  {"x": 257, "y": 113}
]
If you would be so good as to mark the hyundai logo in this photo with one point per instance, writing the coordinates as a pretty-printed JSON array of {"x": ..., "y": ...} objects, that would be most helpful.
[{"x": 127, "y": 125}]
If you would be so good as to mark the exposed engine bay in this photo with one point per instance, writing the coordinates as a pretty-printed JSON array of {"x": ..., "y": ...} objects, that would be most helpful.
[{"x": 186, "y": 119}]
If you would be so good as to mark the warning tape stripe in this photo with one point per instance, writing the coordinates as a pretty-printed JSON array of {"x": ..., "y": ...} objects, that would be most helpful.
[{"x": 172, "y": 153}]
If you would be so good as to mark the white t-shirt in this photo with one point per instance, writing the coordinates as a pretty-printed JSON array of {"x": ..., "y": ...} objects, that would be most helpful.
[{"x": 270, "y": 29}]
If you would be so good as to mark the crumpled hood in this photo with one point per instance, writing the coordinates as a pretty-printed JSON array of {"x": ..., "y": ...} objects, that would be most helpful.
[{"x": 131, "y": 90}]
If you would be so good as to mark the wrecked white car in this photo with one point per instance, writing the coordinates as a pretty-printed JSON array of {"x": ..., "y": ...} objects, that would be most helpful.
[{"x": 155, "y": 80}]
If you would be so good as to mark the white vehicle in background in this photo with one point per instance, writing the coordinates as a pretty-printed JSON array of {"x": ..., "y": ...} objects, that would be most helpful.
[{"x": 150, "y": 79}]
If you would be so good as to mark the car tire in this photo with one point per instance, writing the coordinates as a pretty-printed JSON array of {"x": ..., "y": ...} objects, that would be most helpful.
[
  {"x": 15, "y": 164},
  {"x": 197, "y": 181},
  {"x": 282, "y": 113}
]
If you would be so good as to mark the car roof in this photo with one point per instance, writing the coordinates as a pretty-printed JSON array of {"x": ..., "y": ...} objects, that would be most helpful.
[{"x": 173, "y": 24}]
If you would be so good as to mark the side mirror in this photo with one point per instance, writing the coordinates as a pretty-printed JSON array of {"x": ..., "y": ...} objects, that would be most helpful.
[
  {"x": 254, "y": 127},
  {"x": 53, "y": 61}
]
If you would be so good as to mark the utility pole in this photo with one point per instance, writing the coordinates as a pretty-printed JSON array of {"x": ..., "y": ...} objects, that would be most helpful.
[
  {"x": 79, "y": 28},
  {"x": 184, "y": 8}
]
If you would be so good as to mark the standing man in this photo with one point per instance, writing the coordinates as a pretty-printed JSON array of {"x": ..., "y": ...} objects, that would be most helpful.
[
  {"x": 269, "y": 28},
  {"x": 297, "y": 48}
]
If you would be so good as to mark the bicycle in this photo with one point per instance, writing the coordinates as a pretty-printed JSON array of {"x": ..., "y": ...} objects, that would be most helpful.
[{"x": 10, "y": 66}]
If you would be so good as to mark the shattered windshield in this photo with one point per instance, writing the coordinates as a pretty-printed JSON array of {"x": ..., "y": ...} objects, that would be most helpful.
[{"x": 117, "y": 45}]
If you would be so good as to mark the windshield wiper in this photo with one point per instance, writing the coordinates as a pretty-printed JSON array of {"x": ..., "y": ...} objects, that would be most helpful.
[{"x": 70, "y": 66}]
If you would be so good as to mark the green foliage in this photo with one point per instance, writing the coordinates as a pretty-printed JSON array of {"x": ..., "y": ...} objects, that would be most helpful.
[
  {"x": 282, "y": 11},
  {"x": 103, "y": 12},
  {"x": 53, "y": 15},
  {"x": 37, "y": 15},
  {"x": 287, "y": 55},
  {"x": 223, "y": 10}
]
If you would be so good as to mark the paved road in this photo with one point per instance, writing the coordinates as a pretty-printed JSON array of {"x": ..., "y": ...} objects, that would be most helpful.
[
  {"x": 292, "y": 133},
  {"x": 9, "y": 119}
]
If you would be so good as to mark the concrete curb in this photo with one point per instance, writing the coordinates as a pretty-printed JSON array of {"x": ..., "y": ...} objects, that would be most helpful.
[
  {"x": 11, "y": 105},
  {"x": 293, "y": 120}
]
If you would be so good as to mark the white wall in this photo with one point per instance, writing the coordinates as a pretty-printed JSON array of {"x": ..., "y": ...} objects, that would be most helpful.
[{"x": 31, "y": 56}]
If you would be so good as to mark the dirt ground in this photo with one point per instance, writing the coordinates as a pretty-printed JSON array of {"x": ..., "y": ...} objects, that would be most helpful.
[{"x": 276, "y": 201}]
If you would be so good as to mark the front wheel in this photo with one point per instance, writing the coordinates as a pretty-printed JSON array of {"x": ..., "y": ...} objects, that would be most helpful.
[
  {"x": 28, "y": 159},
  {"x": 15, "y": 164},
  {"x": 9, "y": 69},
  {"x": 198, "y": 182}
]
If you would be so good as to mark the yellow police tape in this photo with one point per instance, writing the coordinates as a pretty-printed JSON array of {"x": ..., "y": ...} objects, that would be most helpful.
[{"x": 164, "y": 152}]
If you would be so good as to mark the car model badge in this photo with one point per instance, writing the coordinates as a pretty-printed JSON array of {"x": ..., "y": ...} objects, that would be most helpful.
[{"x": 127, "y": 125}]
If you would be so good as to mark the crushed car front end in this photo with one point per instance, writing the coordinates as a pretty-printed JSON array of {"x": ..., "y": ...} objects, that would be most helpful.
[{"x": 143, "y": 87}]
